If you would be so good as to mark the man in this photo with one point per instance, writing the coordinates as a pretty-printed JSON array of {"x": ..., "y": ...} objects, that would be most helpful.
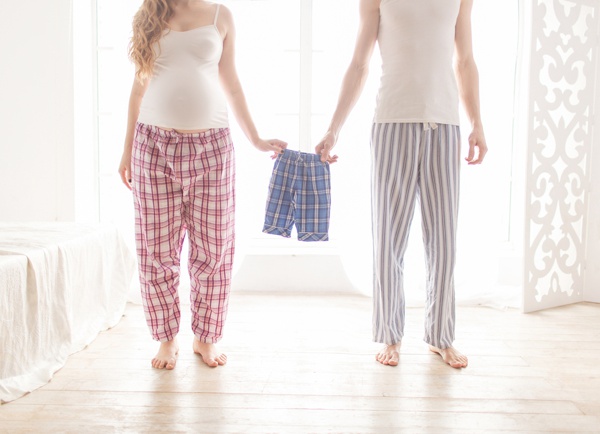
[{"x": 415, "y": 147}]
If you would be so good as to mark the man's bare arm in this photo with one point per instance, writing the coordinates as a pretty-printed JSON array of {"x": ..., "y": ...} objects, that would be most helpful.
[
  {"x": 467, "y": 77},
  {"x": 355, "y": 77}
]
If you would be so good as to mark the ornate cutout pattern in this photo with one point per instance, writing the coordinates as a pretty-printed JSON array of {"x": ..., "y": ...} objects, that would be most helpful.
[{"x": 562, "y": 89}]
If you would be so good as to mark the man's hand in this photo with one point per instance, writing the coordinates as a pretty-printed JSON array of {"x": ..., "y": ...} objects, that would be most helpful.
[
  {"x": 477, "y": 146},
  {"x": 325, "y": 146}
]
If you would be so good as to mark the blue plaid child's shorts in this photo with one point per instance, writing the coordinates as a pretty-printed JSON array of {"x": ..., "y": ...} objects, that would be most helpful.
[{"x": 300, "y": 193}]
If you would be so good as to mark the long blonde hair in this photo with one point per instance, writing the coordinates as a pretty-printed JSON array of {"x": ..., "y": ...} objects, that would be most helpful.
[{"x": 149, "y": 23}]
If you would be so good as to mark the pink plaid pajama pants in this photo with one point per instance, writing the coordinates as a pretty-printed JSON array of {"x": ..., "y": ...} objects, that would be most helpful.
[{"x": 184, "y": 183}]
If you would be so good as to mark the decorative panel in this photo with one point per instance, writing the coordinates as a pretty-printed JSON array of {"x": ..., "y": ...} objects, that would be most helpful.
[{"x": 562, "y": 91}]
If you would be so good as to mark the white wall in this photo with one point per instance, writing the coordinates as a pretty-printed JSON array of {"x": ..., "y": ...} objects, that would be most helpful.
[
  {"x": 37, "y": 111},
  {"x": 85, "y": 116}
]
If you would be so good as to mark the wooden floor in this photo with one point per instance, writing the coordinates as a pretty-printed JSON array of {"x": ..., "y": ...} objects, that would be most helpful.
[{"x": 305, "y": 364}]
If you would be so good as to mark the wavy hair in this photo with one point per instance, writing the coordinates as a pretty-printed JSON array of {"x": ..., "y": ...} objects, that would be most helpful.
[{"x": 149, "y": 23}]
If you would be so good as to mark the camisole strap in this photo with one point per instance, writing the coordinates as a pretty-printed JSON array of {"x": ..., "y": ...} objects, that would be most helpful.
[{"x": 217, "y": 14}]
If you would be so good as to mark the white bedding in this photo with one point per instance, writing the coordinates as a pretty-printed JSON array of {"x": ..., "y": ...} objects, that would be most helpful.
[{"x": 60, "y": 285}]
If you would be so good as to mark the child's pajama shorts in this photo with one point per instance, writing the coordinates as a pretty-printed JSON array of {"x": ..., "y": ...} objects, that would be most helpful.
[
  {"x": 300, "y": 194},
  {"x": 184, "y": 183}
]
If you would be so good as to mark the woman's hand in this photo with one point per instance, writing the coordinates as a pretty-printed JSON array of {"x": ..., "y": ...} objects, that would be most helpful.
[
  {"x": 271, "y": 145},
  {"x": 325, "y": 147},
  {"x": 125, "y": 169}
]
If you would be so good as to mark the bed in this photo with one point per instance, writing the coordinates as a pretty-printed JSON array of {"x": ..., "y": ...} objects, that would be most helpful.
[{"x": 60, "y": 285}]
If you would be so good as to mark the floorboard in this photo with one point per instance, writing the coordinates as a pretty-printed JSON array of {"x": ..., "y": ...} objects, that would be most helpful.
[{"x": 304, "y": 363}]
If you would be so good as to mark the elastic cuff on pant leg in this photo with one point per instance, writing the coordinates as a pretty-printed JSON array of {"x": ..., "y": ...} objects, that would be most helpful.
[
  {"x": 277, "y": 231},
  {"x": 440, "y": 344},
  {"x": 207, "y": 339},
  {"x": 167, "y": 332},
  {"x": 380, "y": 340},
  {"x": 164, "y": 337},
  {"x": 312, "y": 236}
]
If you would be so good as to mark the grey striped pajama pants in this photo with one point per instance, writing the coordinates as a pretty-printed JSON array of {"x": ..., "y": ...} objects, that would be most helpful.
[{"x": 413, "y": 161}]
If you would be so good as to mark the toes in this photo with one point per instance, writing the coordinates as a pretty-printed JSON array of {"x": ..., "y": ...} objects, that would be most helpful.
[
  {"x": 459, "y": 362},
  {"x": 392, "y": 360},
  {"x": 164, "y": 364},
  {"x": 211, "y": 362},
  {"x": 222, "y": 359},
  {"x": 451, "y": 357},
  {"x": 387, "y": 359}
]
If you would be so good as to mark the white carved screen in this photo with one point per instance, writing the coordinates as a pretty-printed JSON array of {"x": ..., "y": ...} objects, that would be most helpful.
[{"x": 562, "y": 90}]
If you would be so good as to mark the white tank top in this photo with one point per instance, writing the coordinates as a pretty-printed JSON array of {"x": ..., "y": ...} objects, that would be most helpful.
[
  {"x": 184, "y": 92},
  {"x": 416, "y": 41}
]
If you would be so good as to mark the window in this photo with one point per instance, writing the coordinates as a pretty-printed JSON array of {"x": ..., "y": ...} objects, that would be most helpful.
[{"x": 291, "y": 57}]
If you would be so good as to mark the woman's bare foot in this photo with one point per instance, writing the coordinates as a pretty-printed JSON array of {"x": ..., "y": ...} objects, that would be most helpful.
[
  {"x": 166, "y": 358},
  {"x": 451, "y": 356},
  {"x": 210, "y": 354},
  {"x": 389, "y": 355}
]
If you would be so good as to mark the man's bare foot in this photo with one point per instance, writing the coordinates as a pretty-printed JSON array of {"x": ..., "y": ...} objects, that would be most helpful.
[
  {"x": 210, "y": 355},
  {"x": 166, "y": 356},
  {"x": 389, "y": 355},
  {"x": 451, "y": 356}
]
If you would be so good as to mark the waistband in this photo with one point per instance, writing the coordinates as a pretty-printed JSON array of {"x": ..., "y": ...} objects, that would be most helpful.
[
  {"x": 205, "y": 136},
  {"x": 300, "y": 157},
  {"x": 427, "y": 125}
]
